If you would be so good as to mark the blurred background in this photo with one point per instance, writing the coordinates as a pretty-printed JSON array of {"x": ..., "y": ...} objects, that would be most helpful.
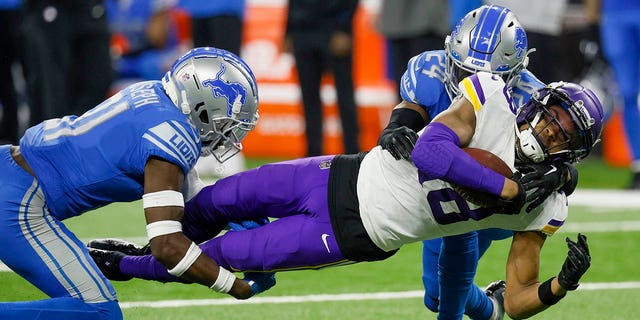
[{"x": 64, "y": 57}]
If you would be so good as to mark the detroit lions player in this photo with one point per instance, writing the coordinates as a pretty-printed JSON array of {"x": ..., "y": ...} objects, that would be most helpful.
[
  {"x": 139, "y": 144},
  {"x": 334, "y": 210},
  {"x": 489, "y": 38}
]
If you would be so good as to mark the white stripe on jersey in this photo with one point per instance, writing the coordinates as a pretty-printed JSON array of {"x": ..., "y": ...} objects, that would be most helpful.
[
  {"x": 193, "y": 143},
  {"x": 174, "y": 142}
]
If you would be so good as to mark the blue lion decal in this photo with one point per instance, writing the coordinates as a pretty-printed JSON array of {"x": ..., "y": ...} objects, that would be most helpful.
[
  {"x": 233, "y": 92},
  {"x": 520, "y": 44}
]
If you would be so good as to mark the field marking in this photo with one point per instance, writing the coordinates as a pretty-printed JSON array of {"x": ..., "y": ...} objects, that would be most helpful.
[
  {"x": 595, "y": 198},
  {"x": 600, "y": 198},
  {"x": 332, "y": 297}
]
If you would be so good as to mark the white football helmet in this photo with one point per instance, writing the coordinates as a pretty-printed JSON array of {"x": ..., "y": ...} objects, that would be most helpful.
[
  {"x": 219, "y": 93},
  {"x": 489, "y": 39}
]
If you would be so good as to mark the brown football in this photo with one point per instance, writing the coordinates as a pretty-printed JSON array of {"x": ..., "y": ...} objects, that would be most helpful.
[{"x": 492, "y": 162}]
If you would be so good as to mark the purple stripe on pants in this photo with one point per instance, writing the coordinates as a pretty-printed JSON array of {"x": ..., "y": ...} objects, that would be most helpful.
[{"x": 293, "y": 191}]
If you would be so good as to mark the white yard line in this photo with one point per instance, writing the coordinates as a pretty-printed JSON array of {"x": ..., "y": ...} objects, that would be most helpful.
[
  {"x": 605, "y": 198},
  {"x": 332, "y": 297},
  {"x": 601, "y": 199}
]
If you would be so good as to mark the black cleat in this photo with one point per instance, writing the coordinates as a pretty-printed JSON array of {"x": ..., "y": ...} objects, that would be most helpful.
[
  {"x": 109, "y": 263},
  {"x": 495, "y": 291},
  {"x": 126, "y": 247}
]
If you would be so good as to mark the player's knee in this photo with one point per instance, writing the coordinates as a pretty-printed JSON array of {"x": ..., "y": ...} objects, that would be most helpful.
[
  {"x": 431, "y": 303},
  {"x": 109, "y": 310}
]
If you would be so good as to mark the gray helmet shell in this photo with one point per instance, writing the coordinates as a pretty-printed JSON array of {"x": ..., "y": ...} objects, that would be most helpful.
[
  {"x": 219, "y": 93},
  {"x": 489, "y": 39}
]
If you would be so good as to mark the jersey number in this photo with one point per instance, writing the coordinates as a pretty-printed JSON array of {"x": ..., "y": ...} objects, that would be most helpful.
[
  {"x": 444, "y": 212},
  {"x": 75, "y": 126}
]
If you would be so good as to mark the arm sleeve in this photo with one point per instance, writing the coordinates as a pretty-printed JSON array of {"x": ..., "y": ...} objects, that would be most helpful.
[{"x": 437, "y": 155}]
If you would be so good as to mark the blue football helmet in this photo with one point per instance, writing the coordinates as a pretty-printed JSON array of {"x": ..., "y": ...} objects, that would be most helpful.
[
  {"x": 585, "y": 111},
  {"x": 489, "y": 38},
  {"x": 219, "y": 93}
]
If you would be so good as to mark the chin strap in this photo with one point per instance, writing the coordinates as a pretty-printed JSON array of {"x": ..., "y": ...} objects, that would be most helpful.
[{"x": 529, "y": 145}]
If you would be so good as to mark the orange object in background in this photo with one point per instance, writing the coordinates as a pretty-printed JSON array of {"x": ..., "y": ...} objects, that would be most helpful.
[
  {"x": 615, "y": 148},
  {"x": 280, "y": 130}
]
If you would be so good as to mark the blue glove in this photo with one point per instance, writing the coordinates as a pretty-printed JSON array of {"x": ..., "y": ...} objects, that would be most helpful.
[
  {"x": 247, "y": 224},
  {"x": 260, "y": 281}
]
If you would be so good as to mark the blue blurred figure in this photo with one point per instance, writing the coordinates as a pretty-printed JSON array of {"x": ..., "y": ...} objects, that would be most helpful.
[
  {"x": 620, "y": 40},
  {"x": 144, "y": 37}
]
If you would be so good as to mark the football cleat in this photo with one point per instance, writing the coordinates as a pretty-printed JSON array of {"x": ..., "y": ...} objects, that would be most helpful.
[
  {"x": 495, "y": 292},
  {"x": 109, "y": 263},
  {"x": 126, "y": 247}
]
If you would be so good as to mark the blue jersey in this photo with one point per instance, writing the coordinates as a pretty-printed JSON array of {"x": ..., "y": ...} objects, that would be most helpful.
[
  {"x": 98, "y": 158},
  {"x": 423, "y": 83}
]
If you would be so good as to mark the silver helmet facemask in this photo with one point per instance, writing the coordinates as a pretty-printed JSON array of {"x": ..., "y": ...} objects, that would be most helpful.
[
  {"x": 219, "y": 93},
  {"x": 488, "y": 39}
]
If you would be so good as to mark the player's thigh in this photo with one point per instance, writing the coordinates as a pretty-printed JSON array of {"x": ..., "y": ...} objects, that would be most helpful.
[
  {"x": 40, "y": 248},
  {"x": 290, "y": 243},
  {"x": 273, "y": 190}
]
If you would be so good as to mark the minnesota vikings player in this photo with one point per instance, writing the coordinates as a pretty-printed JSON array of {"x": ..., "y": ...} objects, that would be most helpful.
[
  {"x": 491, "y": 39},
  {"x": 139, "y": 144},
  {"x": 334, "y": 210}
]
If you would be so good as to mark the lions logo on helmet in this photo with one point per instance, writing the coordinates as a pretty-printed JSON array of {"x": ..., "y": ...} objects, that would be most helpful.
[
  {"x": 219, "y": 93},
  {"x": 489, "y": 39},
  {"x": 233, "y": 92}
]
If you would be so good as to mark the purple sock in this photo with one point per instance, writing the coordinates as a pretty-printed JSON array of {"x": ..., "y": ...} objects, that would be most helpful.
[{"x": 148, "y": 268}]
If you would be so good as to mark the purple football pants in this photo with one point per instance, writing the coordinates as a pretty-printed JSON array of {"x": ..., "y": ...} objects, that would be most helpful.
[{"x": 294, "y": 191}]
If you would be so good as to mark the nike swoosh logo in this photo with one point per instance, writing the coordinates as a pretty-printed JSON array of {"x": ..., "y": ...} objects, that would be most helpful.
[
  {"x": 551, "y": 171},
  {"x": 324, "y": 240}
]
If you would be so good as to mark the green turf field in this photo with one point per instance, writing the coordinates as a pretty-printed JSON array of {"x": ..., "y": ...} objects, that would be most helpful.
[{"x": 389, "y": 289}]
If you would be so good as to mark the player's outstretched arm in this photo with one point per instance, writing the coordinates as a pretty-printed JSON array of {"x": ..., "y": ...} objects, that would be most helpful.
[
  {"x": 164, "y": 208},
  {"x": 525, "y": 295}
]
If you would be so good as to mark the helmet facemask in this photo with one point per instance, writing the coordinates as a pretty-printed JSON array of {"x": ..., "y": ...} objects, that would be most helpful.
[{"x": 577, "y": 142}]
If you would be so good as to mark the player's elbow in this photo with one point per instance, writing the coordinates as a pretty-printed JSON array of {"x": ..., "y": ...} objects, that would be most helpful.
[
  {"x": 512, "y": 310},
  {"x": 167, "y": 249}
]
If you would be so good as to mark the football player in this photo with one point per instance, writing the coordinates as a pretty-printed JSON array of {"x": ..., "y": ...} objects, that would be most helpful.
[
  {"x": 139, "y": 144},
  {"x": 489, "y": 38},
  {"x": 335, "y": 210}
]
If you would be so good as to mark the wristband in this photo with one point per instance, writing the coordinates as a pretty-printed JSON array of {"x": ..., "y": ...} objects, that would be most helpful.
[
  {"x": 164, "y": 198},
  {"x": 185, "y": 263},
  {"x": 406, "y": 117},
  {"x": 162, "y": 227},
  {"x": 546, "y": 296},
  {"x": 224, "y": 282}
]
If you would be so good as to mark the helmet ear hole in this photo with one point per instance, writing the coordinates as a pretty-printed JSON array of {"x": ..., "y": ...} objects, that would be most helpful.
[{"x": 204, "y": 116}]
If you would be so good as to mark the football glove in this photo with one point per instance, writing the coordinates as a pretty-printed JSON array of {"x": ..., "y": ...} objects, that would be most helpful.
[
  {"x": 541, "y": 180},
  {"x": 399, "y": 142},
  {"x": 514, "y": 205},
  {"x": 260, "y": 281},
  {"x": 495, "y": 292},
  {"x": 576, "y": 264},
  {"x": 247, "y": 224}
]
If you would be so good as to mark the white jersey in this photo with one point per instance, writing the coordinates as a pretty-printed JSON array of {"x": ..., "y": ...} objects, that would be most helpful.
[{"x": 396, "y": 209}]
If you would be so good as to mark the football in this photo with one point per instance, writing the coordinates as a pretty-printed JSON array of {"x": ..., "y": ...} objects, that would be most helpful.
[{"x": 492, "y": 162}]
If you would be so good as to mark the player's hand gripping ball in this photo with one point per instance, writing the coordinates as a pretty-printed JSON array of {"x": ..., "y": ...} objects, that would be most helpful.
[{"x": 491, "y": 161}]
